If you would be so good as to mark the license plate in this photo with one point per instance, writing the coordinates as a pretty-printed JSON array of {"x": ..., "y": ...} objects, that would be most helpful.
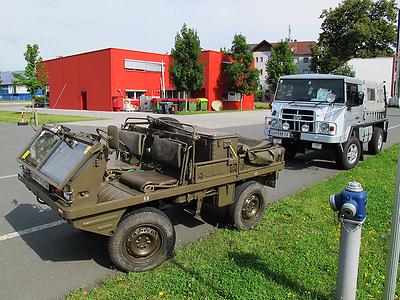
[
  {"x": 40, "y": 180},
  {"x": 281, "y": 134}
]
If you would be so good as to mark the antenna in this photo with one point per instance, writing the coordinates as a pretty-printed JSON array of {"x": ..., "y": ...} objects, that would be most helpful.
[{"x": 290, "y": 34}]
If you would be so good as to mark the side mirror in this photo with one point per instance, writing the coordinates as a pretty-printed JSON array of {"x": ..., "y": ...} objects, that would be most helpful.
[{"x": 113, "y": 137}]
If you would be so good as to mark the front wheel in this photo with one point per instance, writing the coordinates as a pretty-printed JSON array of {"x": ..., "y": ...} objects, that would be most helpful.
[
  {"x": 142, "y": 241},
  {"x": 349, "y": 157},
  {"x": 376, "y": 142},
  {"x": 249, "y": 205}
]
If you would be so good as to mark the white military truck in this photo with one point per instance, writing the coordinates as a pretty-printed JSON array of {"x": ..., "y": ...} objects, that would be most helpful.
[{"x": 318, "y": 111}]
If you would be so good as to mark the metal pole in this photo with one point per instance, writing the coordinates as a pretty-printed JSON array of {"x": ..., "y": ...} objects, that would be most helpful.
[
  {"x": 394, "y": 247},
  {"x": 349, "y": 253}
]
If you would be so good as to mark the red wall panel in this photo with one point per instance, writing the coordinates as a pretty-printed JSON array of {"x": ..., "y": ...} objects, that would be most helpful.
[
  {"x": 70, "y": 76},
  {"x": 125, "y": 79}
]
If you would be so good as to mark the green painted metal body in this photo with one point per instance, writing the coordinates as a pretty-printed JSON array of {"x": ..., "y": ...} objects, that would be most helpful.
[{"x": 92, "y": 185}]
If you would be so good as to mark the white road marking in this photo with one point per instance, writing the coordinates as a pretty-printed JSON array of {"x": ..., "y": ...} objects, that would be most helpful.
[
  {"x": 8, "y": 176},
  {"x": 394, "y": 127},
  {"x": 30, "y": 230}
]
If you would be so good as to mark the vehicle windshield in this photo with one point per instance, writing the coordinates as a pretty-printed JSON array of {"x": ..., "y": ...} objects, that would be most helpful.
[
  {"x": 40, "y": 148},
  {"x": 310, "y": 90},
  {"x": 64, "y": 160}
]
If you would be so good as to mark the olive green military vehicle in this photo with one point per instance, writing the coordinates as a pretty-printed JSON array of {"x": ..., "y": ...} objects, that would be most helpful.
[{"x": 118, "y": 182}]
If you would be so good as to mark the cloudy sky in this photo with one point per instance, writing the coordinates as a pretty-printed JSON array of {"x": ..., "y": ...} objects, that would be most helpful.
[{"x": 64, "y": 27}]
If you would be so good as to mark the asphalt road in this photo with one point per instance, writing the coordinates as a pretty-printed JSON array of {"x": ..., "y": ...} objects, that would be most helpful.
[{"x": 45, "y": 263}]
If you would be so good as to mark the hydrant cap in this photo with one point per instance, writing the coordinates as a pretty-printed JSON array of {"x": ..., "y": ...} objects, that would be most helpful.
[{"x": 354, "y": 186}]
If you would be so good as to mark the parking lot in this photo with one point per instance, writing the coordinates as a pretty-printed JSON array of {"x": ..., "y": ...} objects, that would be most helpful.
[{"x": 42, "y": 257}]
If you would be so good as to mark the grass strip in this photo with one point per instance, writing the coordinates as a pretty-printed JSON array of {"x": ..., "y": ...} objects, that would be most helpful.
[
  {"x": 14, "y": 117},
  {"x": 291, "y": 254}
]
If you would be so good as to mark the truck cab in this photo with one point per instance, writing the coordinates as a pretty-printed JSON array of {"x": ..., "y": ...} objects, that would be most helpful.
[{"x": 318, "y": 111}]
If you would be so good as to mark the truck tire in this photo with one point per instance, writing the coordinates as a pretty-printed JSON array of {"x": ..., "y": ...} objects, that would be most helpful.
[
  {"x": 376, "y": 142},
  {"x": 142, "y": 241},
  {"x": 350, "y": 156},
  {"x": 249, "y": 205},
  {"x": 291, "y": 150}
]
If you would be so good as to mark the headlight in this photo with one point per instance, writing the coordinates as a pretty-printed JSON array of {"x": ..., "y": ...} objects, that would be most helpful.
[
  {"x": 324, "y": 127},
  {"x": 328, "y": 128},
  {"x": 305, "y": 128},
  {"x": 274, "y": 123},
  {"x": 285, "y": 126}
]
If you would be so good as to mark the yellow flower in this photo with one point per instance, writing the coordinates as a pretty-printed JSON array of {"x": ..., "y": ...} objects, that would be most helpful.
[{"x": 161, "y": 293}]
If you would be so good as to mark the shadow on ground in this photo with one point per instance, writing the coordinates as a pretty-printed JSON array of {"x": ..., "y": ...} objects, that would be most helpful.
[{"x": 254, "y": 262}]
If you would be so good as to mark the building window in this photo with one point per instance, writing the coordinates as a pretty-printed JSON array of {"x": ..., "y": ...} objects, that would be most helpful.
[
  {"x": 296, "y": 60},
  {"x": 261, "y": 58},
  {"x": 305, "y": 60},
  {"x": 261, "y": 71},
  {"x": 256, "y": 59},
  {"x": 231, "y": 96},
  {"x": 132, "y": 94}
]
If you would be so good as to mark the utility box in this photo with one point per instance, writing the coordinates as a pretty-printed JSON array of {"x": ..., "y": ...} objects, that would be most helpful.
[{"x": 215, "y": 145}]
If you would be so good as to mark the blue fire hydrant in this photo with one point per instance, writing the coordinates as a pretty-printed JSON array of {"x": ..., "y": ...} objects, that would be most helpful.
[{"x": 351, "y": 206}]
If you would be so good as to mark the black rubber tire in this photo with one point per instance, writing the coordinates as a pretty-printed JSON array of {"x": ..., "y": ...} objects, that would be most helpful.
[
  {"x": 342, "y": 158},
  {"x": 290, "y": 152},
  {"x": 166, "y": 127},
  {"x": 237, "y": 212},
  {"x": 376, "y": 142},
  {"x": 145, "y": 224}
]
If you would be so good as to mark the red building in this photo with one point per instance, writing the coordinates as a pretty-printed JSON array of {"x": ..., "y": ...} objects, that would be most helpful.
[{"x": 100, "y": 80}]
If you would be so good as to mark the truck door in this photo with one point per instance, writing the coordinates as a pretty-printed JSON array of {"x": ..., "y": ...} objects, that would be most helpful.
[{"x": 355, "y": 109}]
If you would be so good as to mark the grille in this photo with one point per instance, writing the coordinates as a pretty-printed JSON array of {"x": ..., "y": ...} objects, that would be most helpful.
[{"x": 297, "y": 118}]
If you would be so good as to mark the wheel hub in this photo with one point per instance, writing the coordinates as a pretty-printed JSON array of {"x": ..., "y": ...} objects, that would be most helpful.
[
  {"x": 251, "y": 207},
  {"x": 352, "y": 153},
  {"x": 380, "y": 142},
  {"x": 143, "y": 242}
]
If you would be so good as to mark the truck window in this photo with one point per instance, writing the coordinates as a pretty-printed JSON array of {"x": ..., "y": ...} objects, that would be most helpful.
[
  {"x": 310, "y": 90},
  {"x": 371, "y": 94},
  {"x": 351, "y": 91}
]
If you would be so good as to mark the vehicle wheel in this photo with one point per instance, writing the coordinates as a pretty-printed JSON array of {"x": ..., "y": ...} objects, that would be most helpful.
[
  {"x": 249, "y": 205},
  {"x": 166, "y": 127},
  {"x": 350, "y": 156},
  {"x": 290, "y": 152},
  {"x": 143, "y": 240},
  {"x": 376, "y": 142}
]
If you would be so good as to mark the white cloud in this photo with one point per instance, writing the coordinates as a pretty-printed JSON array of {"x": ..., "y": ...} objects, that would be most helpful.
[{"x": 68, "y": 27}]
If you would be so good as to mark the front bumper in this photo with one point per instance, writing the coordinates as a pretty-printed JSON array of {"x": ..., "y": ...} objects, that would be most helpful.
[
  {"x": 45, "y": 196},
  {"x": 308, "y": 137}
]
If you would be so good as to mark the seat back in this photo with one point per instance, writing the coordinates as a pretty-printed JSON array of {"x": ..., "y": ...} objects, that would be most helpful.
[
  {"x": 133, "y": 141},
  {"x": 167, "y": 152}
]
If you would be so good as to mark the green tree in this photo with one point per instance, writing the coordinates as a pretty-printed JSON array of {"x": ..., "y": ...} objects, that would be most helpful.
[
  {"x": 345, "y": 70},
  {"x": 34, "y": 77},
  {"x": 280, "y": 63},
  {"x": 355, "y": 28},
  {"x": 244, "y": 78},
  {"x": 186, "y": 71}
]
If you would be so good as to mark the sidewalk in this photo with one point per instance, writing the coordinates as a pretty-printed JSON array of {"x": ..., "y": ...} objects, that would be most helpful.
[{"x": 211, "y": 120}]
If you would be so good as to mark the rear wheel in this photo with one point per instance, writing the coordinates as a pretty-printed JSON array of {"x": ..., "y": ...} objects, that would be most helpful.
[
  {"x": 349, "y": 157},
  {"x": 376, "y": 142},
  {"x": 143, "y": 240},
  {"x": 249, "y": 205}
]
